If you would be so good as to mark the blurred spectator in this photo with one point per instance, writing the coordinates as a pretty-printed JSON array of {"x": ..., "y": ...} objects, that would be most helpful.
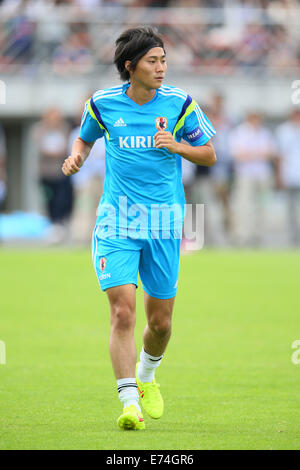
[
  {"x": 202, "y": 193},
  {"x": 288, "y": 136},
  {"x": 2, "y": 167},
  {"x": 188, "y": 178},
  {"x": 252, "y": 148},
  {"x": 180, "y": 54},
  {"x": 222, "y": 172},
  {"x": 235, "y": 35},
  {"x": 283, "y": 11},
  {"x": 88, "y": 5},
  {"x": 152, "y": 3},
  {"x": 254, "y": 46},
  {"x": 88, "y": 187},
  {"x": 73, "y": 56},
  {"x": 19, "y": 37},
  {"x": 284, "y": 51},
  {"x": 10, "y": 7},
  {"x": 51, "y": 137}
]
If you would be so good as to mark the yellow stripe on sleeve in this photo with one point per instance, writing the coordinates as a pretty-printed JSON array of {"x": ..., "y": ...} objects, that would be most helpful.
[{"x": 188, "y": 111}]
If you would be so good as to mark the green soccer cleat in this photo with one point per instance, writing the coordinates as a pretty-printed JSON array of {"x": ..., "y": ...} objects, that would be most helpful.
[
  {"x": 131, "y": 418},
  {"x": 151, "y": 398}
]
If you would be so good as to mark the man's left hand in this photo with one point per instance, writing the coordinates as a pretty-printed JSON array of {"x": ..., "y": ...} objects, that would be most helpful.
[{"x": 164, "y": 139}]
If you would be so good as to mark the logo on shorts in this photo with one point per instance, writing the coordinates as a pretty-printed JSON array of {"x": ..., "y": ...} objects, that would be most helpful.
[
  {"x": 102, "y": 264},
  {"x": 161, "y": 123},
  {"x": 104, "y": 276}
]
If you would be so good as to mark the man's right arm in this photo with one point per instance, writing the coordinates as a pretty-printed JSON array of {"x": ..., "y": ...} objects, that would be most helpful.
[
  {"x": 80, "y": 152},
  {"x": 90, "y": 130}
]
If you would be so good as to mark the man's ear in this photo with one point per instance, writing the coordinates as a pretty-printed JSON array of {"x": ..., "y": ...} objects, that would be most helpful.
[{"x": 127, "y": 65}]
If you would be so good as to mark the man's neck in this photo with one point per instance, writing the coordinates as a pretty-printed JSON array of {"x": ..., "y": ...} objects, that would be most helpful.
[{"x": 140, "y": 95}]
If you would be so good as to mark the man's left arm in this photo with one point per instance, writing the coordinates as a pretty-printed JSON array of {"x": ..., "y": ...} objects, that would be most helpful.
[{"x": 200, "y": 155}]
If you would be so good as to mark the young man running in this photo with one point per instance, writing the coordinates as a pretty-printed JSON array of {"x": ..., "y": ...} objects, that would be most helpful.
[{"x": 143, "y": 123}]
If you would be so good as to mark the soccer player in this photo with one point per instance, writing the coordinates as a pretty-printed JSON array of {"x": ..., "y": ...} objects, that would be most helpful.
[{"x": 143, "y": 123}]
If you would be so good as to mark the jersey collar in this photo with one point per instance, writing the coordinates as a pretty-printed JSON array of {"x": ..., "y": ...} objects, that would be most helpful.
[{"x": 133, "y": 103}]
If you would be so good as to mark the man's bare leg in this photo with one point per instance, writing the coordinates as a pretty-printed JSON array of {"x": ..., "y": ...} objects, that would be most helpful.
[
  {"x": 156, "y": 337},
  {"x": 122, "y": 349},
  {"x": 122, "y": 300},
  {"x": 123, "y": 353},
  {"x": 158, "y": 329}
]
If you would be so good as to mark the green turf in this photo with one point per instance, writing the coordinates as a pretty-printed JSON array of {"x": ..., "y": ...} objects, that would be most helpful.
[{"x": 227, "y": 377}]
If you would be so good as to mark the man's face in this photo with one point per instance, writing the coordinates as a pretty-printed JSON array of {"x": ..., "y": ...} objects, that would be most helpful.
[{"x": 150, "y": 69}]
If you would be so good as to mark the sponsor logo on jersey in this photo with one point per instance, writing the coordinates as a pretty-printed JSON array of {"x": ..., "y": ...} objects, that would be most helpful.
[
  {"x": 136, "y": 142},
  {"x": 120, "y": 123},
  {"x": 161, "y": 123},
  {"x": 102, "y": 264},
  {"x": 195, "y": 134}
]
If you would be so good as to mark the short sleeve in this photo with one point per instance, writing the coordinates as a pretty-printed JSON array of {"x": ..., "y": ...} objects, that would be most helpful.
[
  {"x": 198, "y": 129},
  {"x": 90, "y": 129}
]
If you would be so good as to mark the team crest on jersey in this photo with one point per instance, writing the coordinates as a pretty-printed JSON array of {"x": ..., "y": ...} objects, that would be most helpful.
[
  {"x": 161, "y": 123},
  {"x": 102, "y": 264}
]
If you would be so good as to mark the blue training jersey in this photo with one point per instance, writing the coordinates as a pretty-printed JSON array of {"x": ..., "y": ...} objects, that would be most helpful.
[{"x": 139, "y": 177}]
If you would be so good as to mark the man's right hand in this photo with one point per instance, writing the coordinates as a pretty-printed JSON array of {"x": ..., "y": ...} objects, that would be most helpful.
[{"x": 72, "y": 164}]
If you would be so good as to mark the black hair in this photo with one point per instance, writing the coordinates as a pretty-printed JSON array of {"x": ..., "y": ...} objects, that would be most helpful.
[{"x": 132, "y": 45}]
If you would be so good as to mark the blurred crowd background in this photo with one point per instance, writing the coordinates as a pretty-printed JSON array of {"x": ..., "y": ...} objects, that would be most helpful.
[
  {"x": 199, "y": 34},
  {"x": 239, "y": 59}
]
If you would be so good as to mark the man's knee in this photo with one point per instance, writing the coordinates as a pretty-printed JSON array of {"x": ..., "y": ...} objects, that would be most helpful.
[
  {"x": 161, "y": 325},
  {"x": 122, "y": 316}
]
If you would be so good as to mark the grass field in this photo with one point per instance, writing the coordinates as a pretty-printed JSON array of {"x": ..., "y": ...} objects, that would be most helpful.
[{"x": 227, "y": 377}]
